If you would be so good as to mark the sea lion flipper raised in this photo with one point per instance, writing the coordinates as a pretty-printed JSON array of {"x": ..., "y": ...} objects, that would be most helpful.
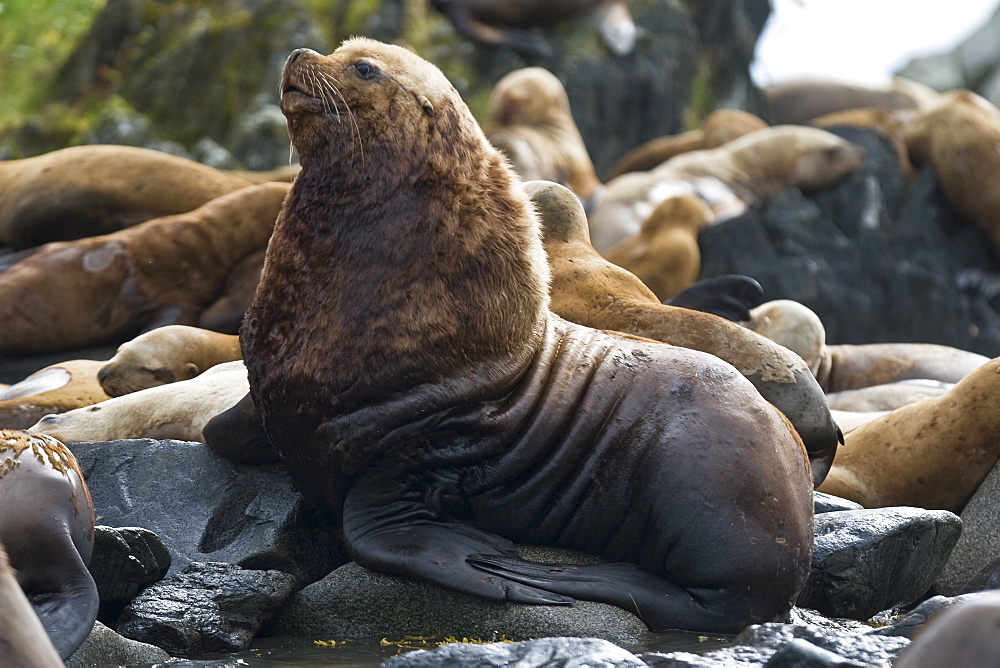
[{"x": 730, "y": 296}]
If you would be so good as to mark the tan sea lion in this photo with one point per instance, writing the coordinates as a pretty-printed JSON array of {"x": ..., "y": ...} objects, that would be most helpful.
[
  {"x": 407, "y": 369},
  {"x": 530, "y": 121},
  {"x": 73, "y": 294},
  {"x": 507, "y": 22},
  {"x": 172, "y": 411},
  {"x": 84, "y": 191},
  {"x": 890, "y": 122},
  {"x": 853, "y": 366},
  {"x": 23, "y": 640},
  {"x": 749, "y": 169},
  {"x": 929, "y": 454},
  {"x": 717, "y": 128},
  {"x": 47, "y": 528},
  {"x": 54, "y": 389},
  {"x": 887, "y": 396},
  {"x": 665, "y": 255},
  {"x": 589, "y": 290},
  {"x": 165, "y": 355},
  {"x": 801, "y": 100},
  {"x": 286, "y": 174},
  {"x": 958, "y": 138}
]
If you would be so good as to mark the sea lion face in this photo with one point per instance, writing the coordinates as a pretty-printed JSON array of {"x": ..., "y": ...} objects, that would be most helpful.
[{"x": 363, "y": 101}]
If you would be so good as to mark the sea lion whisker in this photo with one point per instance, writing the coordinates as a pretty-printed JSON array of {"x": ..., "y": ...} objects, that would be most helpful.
[{"x": 332, "y": 80}]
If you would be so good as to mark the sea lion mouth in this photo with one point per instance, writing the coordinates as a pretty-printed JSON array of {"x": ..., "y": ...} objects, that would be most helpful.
[{"x": 297, "y": 100}]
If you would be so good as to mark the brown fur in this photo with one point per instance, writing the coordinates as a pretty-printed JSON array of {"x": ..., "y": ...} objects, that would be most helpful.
[
  {"x": 85, "y": 191},
  {"x": 77, "y": 293},
  {"x": 226, "y": 313},
  {"x": 802, "y": 100},
  {"x": 717, "y": 128},
  {"x": 58, "y": 387},
  {"x": 406, "y": 286},
  {"x": 530, "y": 120},
  {"x": 890, "y": 122},
  {"x": 284, "y": 174},
  {"x": 929, "y": 454},
  {"x": 853, "y": 366},
  {"x": 960, "y": 139},
  {"x": 165, "y": 355},
  {"x": 753, "y": 167},
  {"x": 590, "y": 290},
  {"x": 665, "y": 255}
]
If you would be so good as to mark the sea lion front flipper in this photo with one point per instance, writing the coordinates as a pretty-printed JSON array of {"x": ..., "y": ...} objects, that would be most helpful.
[
  {"x": 388, "y": 528},
  {"x": 238, "y": 434},
  {"x": 730, "y": 296}
]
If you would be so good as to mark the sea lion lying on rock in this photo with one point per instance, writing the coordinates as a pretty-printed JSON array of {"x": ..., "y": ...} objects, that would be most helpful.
[
  {"x": 72, "y": 294},
  {"x": 84, "y": 191},
  {"x": 173, "y": 411},
  {"x": 752, "y": 168},
  {"x": 165, "y": 355},
  {"x": 406, "y": 367},
  {"x": 853, "y": 366},
  {"x": 54, "y": 389}
]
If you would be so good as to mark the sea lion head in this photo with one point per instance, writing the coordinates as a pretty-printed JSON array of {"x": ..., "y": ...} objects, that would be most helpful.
[
  {"x": 528, "y": 96},
  {"x": 360, "y": 103},
  {"x": 154, "y": 358}
]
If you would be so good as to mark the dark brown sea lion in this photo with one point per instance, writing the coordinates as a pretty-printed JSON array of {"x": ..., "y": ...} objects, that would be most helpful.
[
  {"x": 54, "y": 389},
  {"x": 508, "y": 22},
  {"x": 589, "y": 290},
  {"x": 72, "y": 294},
  {"x": 530, "y": 120},
  {"x": 47, "y": 528},
  {"x": 717, "y": 128},
  {"x": 165, "y": 355},
  {"x": 84, "y": 191},
  {"x": 406, "y": 367}
]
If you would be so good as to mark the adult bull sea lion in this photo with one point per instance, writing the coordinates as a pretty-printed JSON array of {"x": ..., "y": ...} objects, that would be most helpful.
[{"x": 407, "y": 369}]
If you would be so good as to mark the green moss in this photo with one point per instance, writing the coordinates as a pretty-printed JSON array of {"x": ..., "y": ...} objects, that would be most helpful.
[{"x": 35, "y": 36}]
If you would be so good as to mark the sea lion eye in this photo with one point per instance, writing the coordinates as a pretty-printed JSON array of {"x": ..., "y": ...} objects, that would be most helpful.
[{"x": 365, "y": 71}]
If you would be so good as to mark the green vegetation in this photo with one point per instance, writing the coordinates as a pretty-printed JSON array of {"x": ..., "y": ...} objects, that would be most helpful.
[{"x": 35, "y": 37}]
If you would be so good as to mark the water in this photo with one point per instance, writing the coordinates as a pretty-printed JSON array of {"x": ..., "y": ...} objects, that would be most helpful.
[{"x": 370, "y": 652}]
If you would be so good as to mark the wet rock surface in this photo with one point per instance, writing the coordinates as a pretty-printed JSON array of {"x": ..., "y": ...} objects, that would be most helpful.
[
  {"x": 975, "y": 562},
  {"x": 206, "y": 608},
  {"x": 124, "y": 562}
]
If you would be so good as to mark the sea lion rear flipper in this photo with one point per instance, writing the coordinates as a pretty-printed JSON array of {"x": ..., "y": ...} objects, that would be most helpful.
[
  {"x": 238, "y": 434},
  {"x": 658, "y": 602},
  {"x": 730, "y": 296},
  {"x": 388, "y": 529}
]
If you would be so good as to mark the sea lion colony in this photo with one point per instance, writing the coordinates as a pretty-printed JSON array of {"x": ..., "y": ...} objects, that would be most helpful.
[{"x": 362, "y": 367}]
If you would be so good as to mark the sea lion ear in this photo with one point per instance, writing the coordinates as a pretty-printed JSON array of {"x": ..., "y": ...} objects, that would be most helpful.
[{"x": 426, "y": 104}]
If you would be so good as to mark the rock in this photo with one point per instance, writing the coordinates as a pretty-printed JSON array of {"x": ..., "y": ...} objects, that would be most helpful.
[
  {"x": 104, "y": 647},
  {"x": 553, "y": 652},
  {"x": 979, "y": 545},
  {"x": 789, "y": 645},
  {"x": 863, "y": 252},
  {"x": 865, "y": 561},
  {"x": 828, "y": 503},
  {"x": 909, "y": 624},
  {"x": 353, "y": 602},
  {"x": 123, "y": 563},
  {"x": 206, "y": 508},
  {"x": 208, "y": 607}
]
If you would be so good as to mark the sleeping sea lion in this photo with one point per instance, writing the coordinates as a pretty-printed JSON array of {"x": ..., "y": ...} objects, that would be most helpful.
[
  {"x": 405, "y": 365},
  {"x": 54, "y": 389},
  {"x": 71, "y": 294}
]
